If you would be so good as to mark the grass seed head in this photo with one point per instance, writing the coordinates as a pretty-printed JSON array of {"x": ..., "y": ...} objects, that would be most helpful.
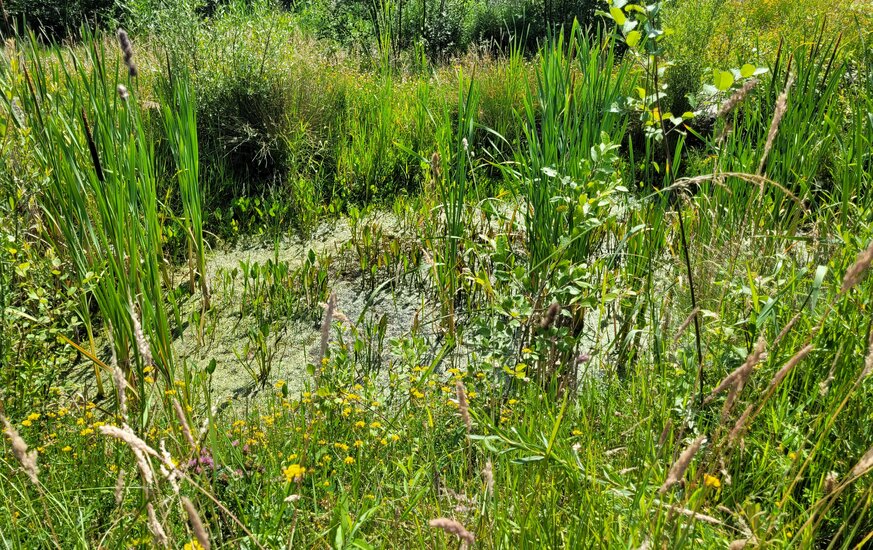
[
  {"x": 156, "y": 528},
  {"x": 463, "y": 405},
  {"x": 677, "y": 471},
  {"x": 26, "y": 458},
  {"x": 855, "y": 274},
  {"x": 452, "y": 527},
  {"x": 737, "y": 98},
  {"x": 196, "y": 524}
]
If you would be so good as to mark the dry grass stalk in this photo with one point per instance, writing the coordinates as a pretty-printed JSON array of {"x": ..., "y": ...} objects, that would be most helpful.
[
  {"x": 719, "y": 178},
  {"x": 550, "y": 316},
  {"x": 677, "y": 471},
  {"x": 183, "y": 420},
  {"x": 325, "y": 328},
  {"x": 463, "y": 406},
  {"x": 196, "y": 524},
  {"x": 26, "y": 458},
  {"x": 685, "y": 324},
  {"x": 453, "y": 527},
  {"x": 156, "y": 528},
  {"x": 855, "y": 274},
  {"x": 737, "y": 98},
  {"x": 781, "y": 107},
  {"x": 127, "y": 51}
]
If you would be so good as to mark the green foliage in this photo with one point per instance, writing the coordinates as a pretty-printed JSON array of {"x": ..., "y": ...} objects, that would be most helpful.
[{"x": 54, "y": 19}]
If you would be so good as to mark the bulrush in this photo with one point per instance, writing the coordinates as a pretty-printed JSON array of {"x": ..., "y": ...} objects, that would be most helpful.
[
  {"x": 453, "y": 527},
  {"x": 463, "y": 406},
  {"x": 123, "y": 93},
  {"x": 196, "y": 524},
  {"x": 677, "y": 471},
  {"x": 26, "y": 458},
  {"x": 550, "y": 316},
  {"x": 127, "y": 51}
]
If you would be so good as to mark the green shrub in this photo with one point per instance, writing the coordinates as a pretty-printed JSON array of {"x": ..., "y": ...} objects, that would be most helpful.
[{"x": 57, "y": 19}]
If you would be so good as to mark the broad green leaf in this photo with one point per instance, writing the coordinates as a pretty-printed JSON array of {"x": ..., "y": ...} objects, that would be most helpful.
[
  {"x": 633, "y": 38},
  {"x": 747, "y": 70},
  {"x": 723, "y": 80},
  {"x": 618, "y": 15}
]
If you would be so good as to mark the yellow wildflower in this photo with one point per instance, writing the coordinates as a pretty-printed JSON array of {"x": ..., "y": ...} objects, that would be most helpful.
[
  {"x": 294, "y": 472},
  {"x": 711, "y": 481},
  {"x": 349, "y": 460}
]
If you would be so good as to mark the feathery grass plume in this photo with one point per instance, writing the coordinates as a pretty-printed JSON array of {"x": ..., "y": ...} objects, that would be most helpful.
[
  {"x": 168, "y": 468},
  {"x": 781, "y": 107},
  {"x": 864, "y": 464},
  {"x": 26, "y": 458},
  {"x": 119, "y": 487},
  {"x": 677, "y": 471},
  {"x": 738, "y": 377},
  {"x": 463, "y": 406},
  {"x": 740, "y": 426},
  {"x": 127, "y": 51},
  {"x": 183, "y": 420},
  {"x": 120, "y": 385},
  {"x": 786, "y": 328},
  {"x": 140, "y": 450},
  {"x": 685, "y": 324},
  {"x": 325, "y": 328},
  {"x": 550, "y": 316},
  {"x": 452, "y": 527},
  {"x": 156, "y": 528},
  {"x": 141, "y": 343},
  {"x": 783, "y": 372},
  {"x": 196, "y": 524},
  {"x": 868, "y": 361},
  {"x": 488, "y": 475},
  {"x": 855, "y": 273},
  {"x": 123, "y": 93},
  {"x": 738, "y": 97}
]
